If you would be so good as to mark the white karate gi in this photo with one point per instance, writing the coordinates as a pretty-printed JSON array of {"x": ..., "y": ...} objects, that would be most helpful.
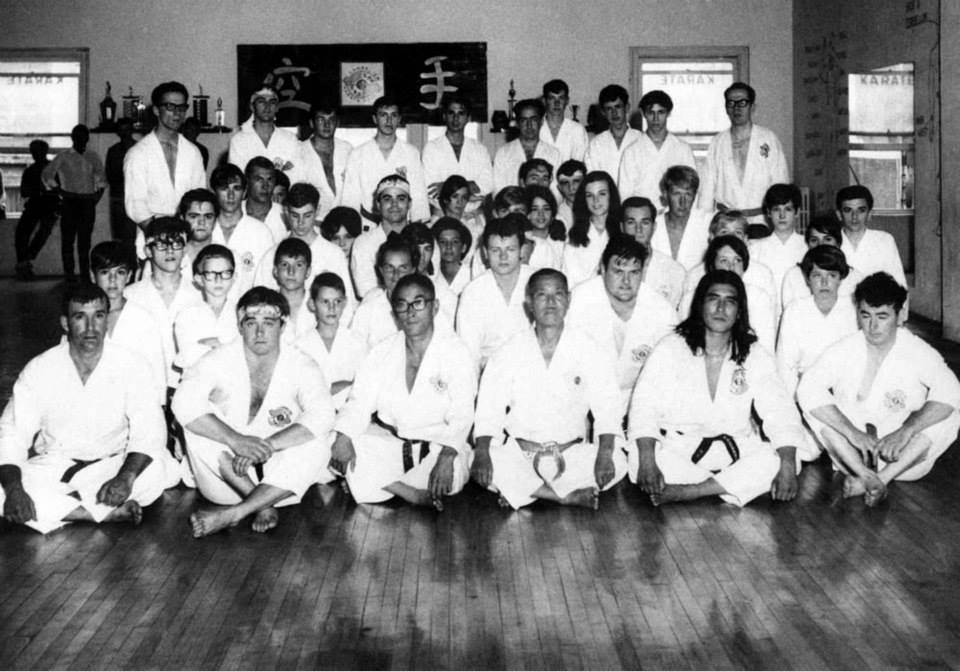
[
  {"x": 665, "y": 275},
  {"x": 524, "y": 397},
  {"x": 363, "y": 260},
  {"x": 546, "y": 253},
  {"x": 436, "y": 413},
  {"x": 67, "y": 421},
  {"x": 373, "y": 320},
  {"x": 485, "y": 320},
  {"x": 643, "y": 165},
  {"x": 766, "y": 165},
  {"x": 672, "y": 396},
  {"x": 300, "y": 322},
  {"x": 911, "y": 374},
  {"x": 805, "y": 333},
  {"x": 509, "y": 158},
  {"x": 249, "y": 241},
  {"x": 460, "y": 280},
  {"x": 148, "y": 190},
  {"x": 447, "y": 299},
  {"x": 273, "y": 221},
  {"x": 366, "y": 166},
  {"x": 582, "y": 263},
  {"x": 564, "y": 213},
  {"x": 795, "y": 285},
  {"x": 219, "y": 384},
  {"x": 876, "y": 252},
  {"x": 693, "y": 244},
  {"x": 440, "y": 162},
  {"x": 138, "y": 331},
  {"x": 779, "y": 257},
  {"x": 282, "y": 148},
  {"x": 631, "y": 341},
  {"x": 310, "y": 169},
  {"x": 324, "y": 257},
  {"x": 571, "y": 140},
  {"x": 147, "y": 296},
  {"x": 199, "y": 322},
  {"x": 340, "y": 362},
  {"x": 604, "y": 154}
]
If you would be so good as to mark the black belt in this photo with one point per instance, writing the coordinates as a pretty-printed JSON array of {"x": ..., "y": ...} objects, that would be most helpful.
[
  {"x": 707, "y": 443},
  {"x": 78, "y": 465},
  {"x": 407, "y": 444}
]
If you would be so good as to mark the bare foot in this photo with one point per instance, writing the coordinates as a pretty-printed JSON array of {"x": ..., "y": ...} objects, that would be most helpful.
[
  {"x": 876, "y": 492},
  {"x": 588, "y": 497},
  {"x": 656, "y": 499},
  {"x": 265, "y": 520},
  {"x": 206, "y": 522},
  {"x": 421, "y": 497},
  {"x": 853, "y": 486},
  {"x": 129, "y": 511},
  {"x": 438, "y": 504}
]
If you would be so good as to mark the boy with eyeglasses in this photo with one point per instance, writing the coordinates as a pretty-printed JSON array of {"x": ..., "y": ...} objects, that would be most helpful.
[
  {"x": 403, "y": 431},
  {"x": 336, "y": 349},
  {"x": 209, "y": 324}
]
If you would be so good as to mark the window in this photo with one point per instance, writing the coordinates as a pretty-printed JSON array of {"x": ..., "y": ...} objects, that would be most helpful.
[
  {"x": 694, "y": 78},
  {"x": 881, "y": 134},
  {"x": 44, "y": 94}
]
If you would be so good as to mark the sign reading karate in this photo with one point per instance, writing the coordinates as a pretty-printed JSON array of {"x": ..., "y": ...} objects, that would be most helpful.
[{"x": 352, "y": 76}]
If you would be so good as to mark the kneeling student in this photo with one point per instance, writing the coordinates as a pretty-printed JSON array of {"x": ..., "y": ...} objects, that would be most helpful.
[
  {"x": 538, "y": 388},
  {"x": 257, "y": 419},
  {"x": 403, "y": 431}
]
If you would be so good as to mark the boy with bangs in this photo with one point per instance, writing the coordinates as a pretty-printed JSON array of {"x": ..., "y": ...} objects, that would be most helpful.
[
  {"x": 211, "y": 323},
  {"x": 291, "y": 268}
]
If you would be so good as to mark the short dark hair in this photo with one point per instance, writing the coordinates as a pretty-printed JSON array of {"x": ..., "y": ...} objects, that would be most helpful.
[
  {"x": 741, "y": 86},
  {"x": 721, "y": 241},
  {"x": 418, "y": 280},
  {"x": 880, "y": 289},
  {"x": 324, "y": 106},
  {"x": 82, "y": 293},
  {"x": 854, "y": 192},
  {"x": 167, "y": 87},
  {"x": 781, "y": 194},
  {"x": 327, "y": 279},
  {"x": 225, "y": 175},
  {"x": 395, "y": 243},
  {"x": 281, "y": 179},
  {"x": 450, "y": 224},
  {"x": 656, "y": 97},
  {"x": 533, "y": 164},
  {"x": 828, "y": 258},
  {"x": 293, "y": 248},
  {"x": 417, "y": 233},
  {"x": 451, "y": 98},
  {"x": 167, "y": 229},
  {"x": 635, "y": 202},
  {"x": 571, "y": 166},
  {"x": 612, "y": 93},
  {"x": 39, "y": 149},
  {"x": 680, "y": 175},
  {"x": 302, "y": 194},
  {"x": 533, "y": 103},
  {"x": 113, "y": 254},
  {"x": 623, "y": 247},
  {"x": 450, "y": 186},
  {"x": 693, "y": 330},
  {"x": 826, "y": 224},
  {"x": 213, "y": 251},
  {"x": 344, "y": 216},
  {"x": 509, "y": 196},
  {"x": 543, "y": 274},
  {"x": 260, "y": 295},
  {"x": 198, "y": 196},
  {"x": 535, "y": 191},
  {"x": 556, "y": 86},
  {"x": 510, "y": 226},
  {"x": 258, "y": 162},
  {"x": 385, "y": 101}
]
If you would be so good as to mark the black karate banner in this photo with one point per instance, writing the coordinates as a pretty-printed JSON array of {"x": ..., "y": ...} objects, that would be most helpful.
[{"x": 353, "y": 75}]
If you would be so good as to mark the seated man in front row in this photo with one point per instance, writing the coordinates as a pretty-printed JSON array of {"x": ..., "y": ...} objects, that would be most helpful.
[
  {"x": 403, "y": 431},
  {"x": 690, "y": 415},
  {"x": 257, "y": 419},
  {"x": 882, "y": 401},
  {"x": 538, "y": 388},
  {"x": 96, "y": 435}
]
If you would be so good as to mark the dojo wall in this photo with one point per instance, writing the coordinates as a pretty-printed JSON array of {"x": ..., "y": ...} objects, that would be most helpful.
[{"x": 833, "y": 38}]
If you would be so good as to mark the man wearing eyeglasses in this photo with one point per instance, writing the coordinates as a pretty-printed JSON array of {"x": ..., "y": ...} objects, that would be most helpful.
[
  {"x": 549, "y": 377},
  {"x": 743, "y": 162},
  {"x": 260, "y": 136},
  {"x": 509, "y": 157},
  {"x": 418, "y": 387},
  {"x": 164, "y": 165},
  {"x": 257, "y": 420}
]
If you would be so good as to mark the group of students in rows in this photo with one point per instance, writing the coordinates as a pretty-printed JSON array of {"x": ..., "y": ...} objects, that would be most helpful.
[{"x": 546, "y": 361}]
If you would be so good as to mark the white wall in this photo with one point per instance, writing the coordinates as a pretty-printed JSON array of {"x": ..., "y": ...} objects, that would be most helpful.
[{"x": 142, "y": 43}]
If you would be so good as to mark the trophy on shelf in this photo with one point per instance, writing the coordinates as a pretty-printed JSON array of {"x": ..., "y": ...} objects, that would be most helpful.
[
  {"x": 129, "y": 105},
  {"x": 220, "y": 118},
  {"x": 108, "y": 112},
  {"x": 200, "y": 104}
]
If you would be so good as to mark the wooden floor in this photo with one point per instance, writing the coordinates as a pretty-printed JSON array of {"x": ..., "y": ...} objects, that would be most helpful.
[{"x": 817, "y": 584}]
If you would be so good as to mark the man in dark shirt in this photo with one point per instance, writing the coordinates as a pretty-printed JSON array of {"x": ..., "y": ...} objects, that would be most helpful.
[
  {"x": 121, "y": 226},
  {"x": 40, "y": 211}
]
